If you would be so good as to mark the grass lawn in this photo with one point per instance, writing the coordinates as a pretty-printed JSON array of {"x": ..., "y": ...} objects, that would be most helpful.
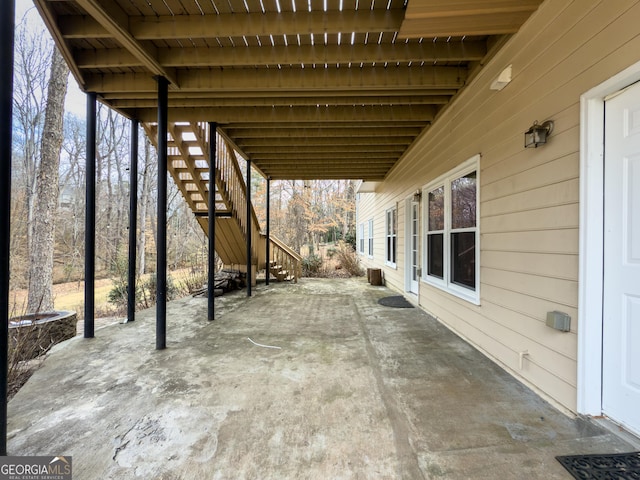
[
  {"x": 66, "y": 296},
  {"x": 70, "y": 296}
]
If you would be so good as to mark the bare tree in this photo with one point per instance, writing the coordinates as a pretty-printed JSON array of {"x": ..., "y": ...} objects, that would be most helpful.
[
  {"x": 148, "y": 172},
  {"x": 70, "y": 225},
  {"x": 32, "y": 63},
  {"x": 41, "y": 267},
  {"x": 113, "y": 147},
  {"x": 309, "y": 212}
]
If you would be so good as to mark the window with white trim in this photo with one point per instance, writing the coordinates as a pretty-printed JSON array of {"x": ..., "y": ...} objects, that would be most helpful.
[
  {"x": 452, "y": 236},
  {"x": 391, "y": 236},
  {"x": 361, "y": 239},
  {"x": 370, "y": 246}
]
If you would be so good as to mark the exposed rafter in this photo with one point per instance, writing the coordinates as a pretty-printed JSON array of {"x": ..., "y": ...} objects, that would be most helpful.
[
  {"x": 428, "y": 18},
  {"x": 115, "y": 21},
  {"x": 200, "y": 57},
  {"x": 177, "y": 101},
  {"x": 269, "y": 23},
  {"x": 300, "y": 115},
  {"x": 262, "y": 81}
]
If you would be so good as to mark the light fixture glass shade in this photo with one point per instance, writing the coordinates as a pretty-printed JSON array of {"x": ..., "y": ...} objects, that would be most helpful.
[{"x": 537, "y": 134}]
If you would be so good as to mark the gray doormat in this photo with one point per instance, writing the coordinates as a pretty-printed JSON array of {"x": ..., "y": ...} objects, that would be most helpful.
[
  {"x": 396, "y": 301},
  {"x": 617, "y": 466}
]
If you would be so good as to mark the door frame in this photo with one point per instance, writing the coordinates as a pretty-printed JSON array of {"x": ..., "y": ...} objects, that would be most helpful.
[
  {"x": 408, "y": 263},
  {"x": 591, "y": 249}
]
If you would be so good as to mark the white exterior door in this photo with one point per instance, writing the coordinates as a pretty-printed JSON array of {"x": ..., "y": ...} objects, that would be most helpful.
[
  {"x": 621, "y": 293},
  {"x": 414, "y": 230}
]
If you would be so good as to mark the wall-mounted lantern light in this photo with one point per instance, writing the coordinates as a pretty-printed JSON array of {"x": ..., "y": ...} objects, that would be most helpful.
[
  {"x": 417, "y": 196},
  {"x": 537, "y": 134}
]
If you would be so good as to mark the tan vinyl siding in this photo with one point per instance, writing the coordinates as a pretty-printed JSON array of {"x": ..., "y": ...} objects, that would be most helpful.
[
  {"x": 545, "y": 241},
  {"x": 367, "y": 210},
  {"x": 529, "y": 198},
  {"x": 366, "y": 203}
]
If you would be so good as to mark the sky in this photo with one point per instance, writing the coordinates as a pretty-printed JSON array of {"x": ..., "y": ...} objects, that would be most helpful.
[{"x": 75, "y": 101}]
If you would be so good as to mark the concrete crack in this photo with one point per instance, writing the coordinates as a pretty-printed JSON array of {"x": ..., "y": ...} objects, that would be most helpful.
[
  {"x": 120, "y": 438},
  {"x": 119, "y": 449}
]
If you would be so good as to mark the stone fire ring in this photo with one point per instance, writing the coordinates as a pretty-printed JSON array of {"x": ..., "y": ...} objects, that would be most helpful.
[{"x": 34, "y": 334}]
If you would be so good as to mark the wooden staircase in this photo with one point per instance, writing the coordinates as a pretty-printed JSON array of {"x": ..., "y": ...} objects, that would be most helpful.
[{"x": 188, "y": 163}]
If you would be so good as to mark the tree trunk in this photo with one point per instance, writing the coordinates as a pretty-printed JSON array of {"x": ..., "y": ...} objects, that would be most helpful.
[
  {"x": 41, "y": 263},
  {"x": 144, "y": 201},
  {"x": 109, "y": 253}
]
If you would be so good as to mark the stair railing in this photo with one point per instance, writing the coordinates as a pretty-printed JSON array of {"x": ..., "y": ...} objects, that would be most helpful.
[
  {"x": 286, "y": 259},
  {"x": 229, "y": 179},
  {"x": 229, "y": 183}
]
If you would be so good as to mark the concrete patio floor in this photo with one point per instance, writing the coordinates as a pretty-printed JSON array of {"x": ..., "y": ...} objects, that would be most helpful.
[{"x": 355, "y": 390}]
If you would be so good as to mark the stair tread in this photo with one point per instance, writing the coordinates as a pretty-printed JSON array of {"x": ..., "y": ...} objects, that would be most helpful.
[{"x": 190, "y": 169}]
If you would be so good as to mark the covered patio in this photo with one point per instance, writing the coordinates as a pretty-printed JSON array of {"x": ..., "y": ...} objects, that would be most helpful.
[{"x": 314, "y": 380}]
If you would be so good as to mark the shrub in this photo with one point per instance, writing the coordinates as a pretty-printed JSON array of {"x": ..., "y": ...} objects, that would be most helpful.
[
  {"x": 348, "y": 259},
  {"x": 118, "y": 294},
  {"x": 146, "y": 292},
  {"x": 350, "y": 238},
  {"x": 150, "y": 289},
  {"x": 19, "y": 370},
  {"x": 311, "y": 265},
  {"x": 195, "y": 280}
]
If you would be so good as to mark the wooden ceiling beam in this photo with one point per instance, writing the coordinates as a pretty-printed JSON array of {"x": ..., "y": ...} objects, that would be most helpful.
[
  {"x": 116, "y": 21},
  {"x": 175, "y": 102},
  {"x": 201, "y": 57},
  {"x": 81, "y": 27},
  {"x": 322, "y": 158},
  {"x": 429, "y": 18},
  {"x": 307, "y": 80},
  {"x": 457, "y": 8},
  {"x": 275, "y": 143},
  {"x": 333, "y": 165},
  {"x": 493, "y": 24},
  {"x": 51, "y": 19},
  {"x": 270, "y": 23},
  {"x": 277, "y": 174},
  {"x": 328, "y": 176},
  {"x": 296, "y": 115},
  {"x": 428, "y": 52},
  {"x": 299, "y": 169},
  {"x": 176, "y": 95},
  {"x": 280, "y": 127},
  {"x": 295, "y": 134},
  {"x": 357, "y": 158},
  {"x": 300, "y": 151}
]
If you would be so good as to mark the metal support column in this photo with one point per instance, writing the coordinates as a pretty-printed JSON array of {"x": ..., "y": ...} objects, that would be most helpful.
[
  {"x": 90, "y": 219},
  {"x": 249, "y": 227},
  {"x": 268, "y": 247},
  {"x": 7, "y": 12},
  {"x": 212, "y": 219},
  {"x": 161, "y": 247},
  {"x": 133, "y": 221}
]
